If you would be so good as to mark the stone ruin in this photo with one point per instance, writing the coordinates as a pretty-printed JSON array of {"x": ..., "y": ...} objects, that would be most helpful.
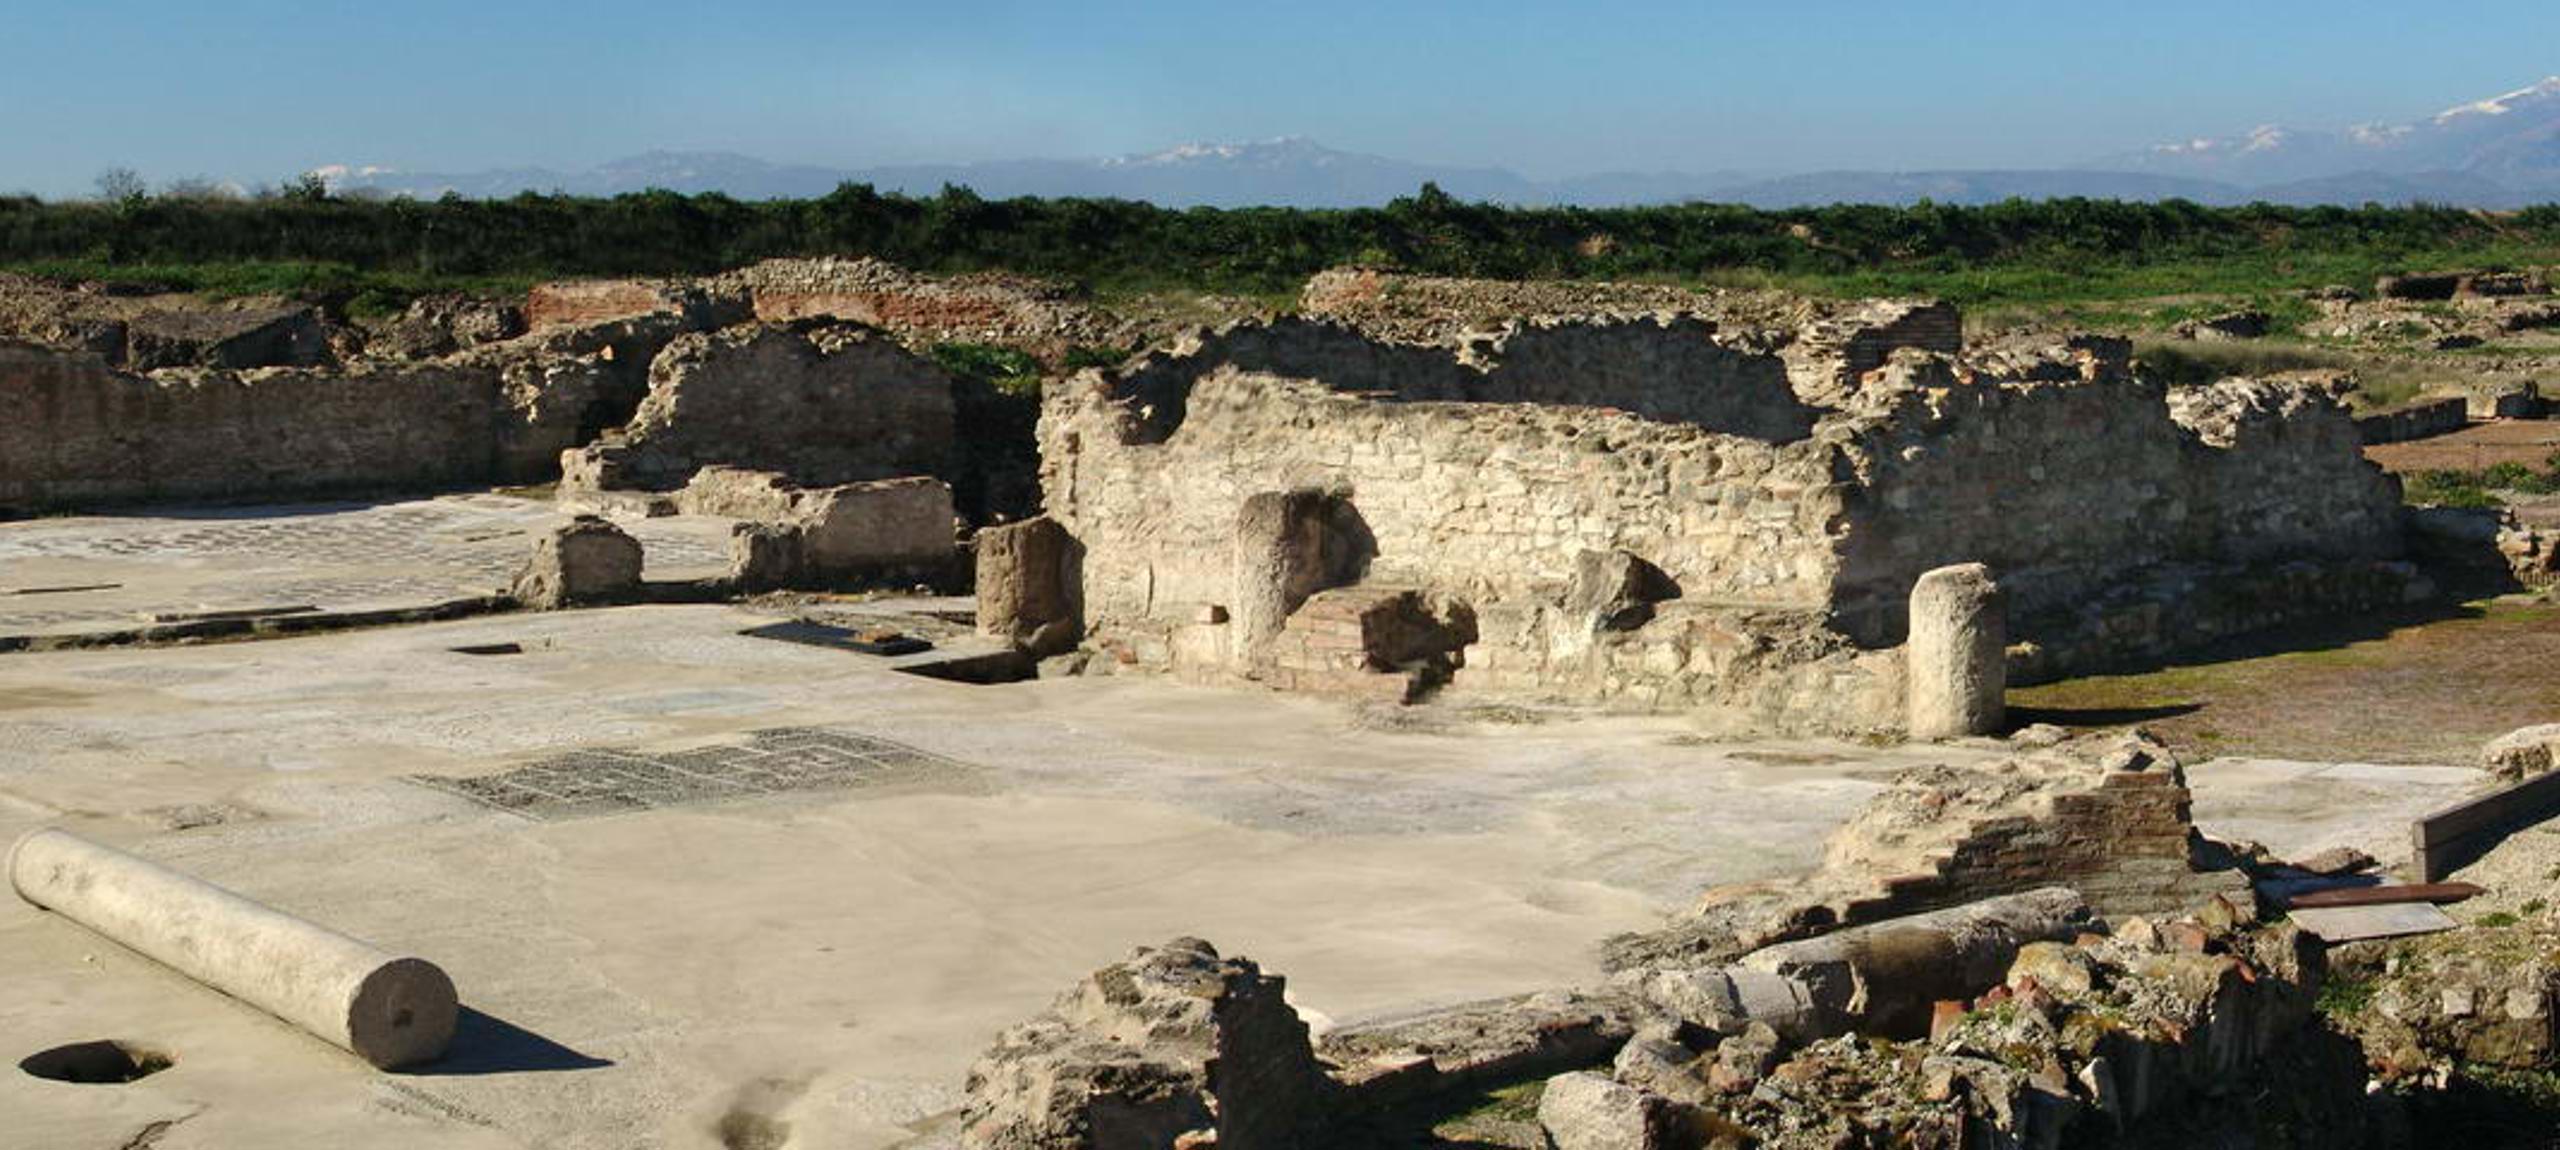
[
  {"x": 2047, "y": 985},
  {"x": 1718, "y": 503},
  {"x": 832, "y": 441},
  {"x": 1671, "y": 512}
]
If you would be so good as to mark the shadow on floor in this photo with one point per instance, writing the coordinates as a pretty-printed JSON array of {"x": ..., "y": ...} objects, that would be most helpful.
[
  {"x": 486, "y": 1045},
  {"x": 2020, "y": 717}
]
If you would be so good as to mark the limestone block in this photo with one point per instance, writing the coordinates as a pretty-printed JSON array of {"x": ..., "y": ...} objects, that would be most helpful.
[
  {"x": 1658, "y": 1062},
  {"x": 1588, "y": 1111},
  {"x": 765, "y": 556},
  {"x": 389, "y": 1010},
  {"x": 585, "y": 560},
  {"x": 2522, "y": 753},
  {"x": 1617, "y": 590},
  {"x": 1023, "y": 579},
  {"x": 1958, "y": 654},
  {"x": 887, "y": 525},
  {"x": 1170, "y": 1044}
]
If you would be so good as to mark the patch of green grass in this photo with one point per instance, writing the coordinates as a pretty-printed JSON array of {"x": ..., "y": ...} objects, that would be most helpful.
[
  {"x": 2483, "y": 488},
  {"x": 1009, "y": 371},
  {"x": 2345, "y": 997},
  {"x": 359, "y": 293},
  {"x": 1515, "y": 1103}
]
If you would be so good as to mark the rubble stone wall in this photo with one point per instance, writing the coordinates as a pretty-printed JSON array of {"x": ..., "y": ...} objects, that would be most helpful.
[
  {"x": 821, "y": 403},
  {"x": 1789, "y": 514},
  {"x": 81, "y": 434},
  {"x": 2065, "y": 487},
  {"x": 1489, "y": 503},
  {"x": 1666, "y": 369}
]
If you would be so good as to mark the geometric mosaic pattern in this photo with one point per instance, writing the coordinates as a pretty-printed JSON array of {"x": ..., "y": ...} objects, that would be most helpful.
[{"x": 583, "y": 784}]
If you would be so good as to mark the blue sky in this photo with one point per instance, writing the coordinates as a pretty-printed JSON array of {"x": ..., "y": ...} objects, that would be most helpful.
[{"x": 255, "y": 90}]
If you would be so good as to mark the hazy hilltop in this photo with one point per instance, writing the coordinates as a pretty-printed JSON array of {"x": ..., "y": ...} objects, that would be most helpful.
[{"x": 2499, "y": 152}]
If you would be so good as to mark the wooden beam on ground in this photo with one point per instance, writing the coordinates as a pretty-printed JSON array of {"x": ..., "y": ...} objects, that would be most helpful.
[
  {"x": 2437, "y": 892},
  {"x": 2453, "y": 837}
]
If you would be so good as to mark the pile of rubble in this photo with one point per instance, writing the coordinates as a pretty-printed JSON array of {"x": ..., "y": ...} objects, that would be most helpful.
[
  {"x": 1041, "y": 317},
  {"x": 2019, "y": 1012},
  {"x": 1444, "y": 310},
  {"x": 2443, "y": 311}
]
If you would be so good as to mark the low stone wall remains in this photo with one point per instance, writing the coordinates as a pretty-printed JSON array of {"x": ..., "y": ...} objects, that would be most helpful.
[{"x": 82, "y": 434}]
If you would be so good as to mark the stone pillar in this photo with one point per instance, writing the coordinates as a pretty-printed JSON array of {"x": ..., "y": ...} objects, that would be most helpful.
[
  {"x": 1279, "y": 561},
  {"x": 388, "y": 1010},
  {"x": 1024, "y": 595},
  {"x": 1958, "y": 654},
  {"x": 586, "y": 560}
]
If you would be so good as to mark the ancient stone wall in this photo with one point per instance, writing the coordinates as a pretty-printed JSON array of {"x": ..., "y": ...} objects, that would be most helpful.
[
  {"x": 1788, "y": 515},
  {"x": 1671, "y": 369},
  {"x": 2068, "y": 486},
  {"x": 81, "y": 434},
  {"x": 821, "y": 403},
  {"x": 2421, "y": 419}
]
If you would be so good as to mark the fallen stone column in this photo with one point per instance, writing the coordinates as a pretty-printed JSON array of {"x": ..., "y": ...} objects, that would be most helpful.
[
  {"x": 389, "y": 1010},
  {"x": 1883, "y": 979},
  {"x": 1958, "y": 654}
]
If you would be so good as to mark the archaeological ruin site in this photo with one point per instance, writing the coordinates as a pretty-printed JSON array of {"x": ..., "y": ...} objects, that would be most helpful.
[{"x": 725, "y": 712}]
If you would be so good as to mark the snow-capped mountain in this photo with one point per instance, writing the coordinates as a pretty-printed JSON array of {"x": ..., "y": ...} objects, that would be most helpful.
[
  {"x": 2505, "y": 144},
  {"x": 2499, "y": 152}
]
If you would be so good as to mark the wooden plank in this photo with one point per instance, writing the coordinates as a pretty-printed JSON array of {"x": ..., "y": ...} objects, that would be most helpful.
[
  {"x": 2537, "y": 797},
  {"x": 2440, "y": 892},
  {"x": 2450, "y": 838},
  {"x": 2351, "y": 923}
]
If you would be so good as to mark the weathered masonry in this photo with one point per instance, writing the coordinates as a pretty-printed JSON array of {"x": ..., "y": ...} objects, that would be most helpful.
[{"x": 1653, "y": 511}]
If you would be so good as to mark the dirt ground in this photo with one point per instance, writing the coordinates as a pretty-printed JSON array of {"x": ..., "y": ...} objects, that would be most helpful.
[
  {"x": 2531, "y": 442},
  {"x": 2412, "y": 689}
]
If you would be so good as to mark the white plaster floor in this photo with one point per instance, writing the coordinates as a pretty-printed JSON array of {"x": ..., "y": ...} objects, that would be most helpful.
[{"x": 833, "y": 959}]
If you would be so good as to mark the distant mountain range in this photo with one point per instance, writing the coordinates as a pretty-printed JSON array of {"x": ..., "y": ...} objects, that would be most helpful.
[{"x": 2496, "y": 153}]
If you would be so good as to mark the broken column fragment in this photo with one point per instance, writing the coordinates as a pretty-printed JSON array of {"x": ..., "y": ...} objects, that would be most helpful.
[
  {"x": 1882, "y": 979},
  {"x": 585, "y": 560},
  {"x": 1024, "y": 595},
  {"x": 1958, "y": 653},
  {"x": 1171, "y": 1046}
]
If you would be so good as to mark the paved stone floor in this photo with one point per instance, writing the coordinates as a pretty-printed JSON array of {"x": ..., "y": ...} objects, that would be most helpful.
[
  {"x": 681, "y": 874},
  {"x": 68, "y": 575}
]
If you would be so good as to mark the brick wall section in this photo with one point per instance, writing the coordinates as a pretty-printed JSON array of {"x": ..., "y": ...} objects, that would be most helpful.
[{"x": 2125, "y": 845}]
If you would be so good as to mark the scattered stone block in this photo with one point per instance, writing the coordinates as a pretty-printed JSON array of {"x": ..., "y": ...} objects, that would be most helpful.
[
  {"x": 2522, "y": 753},
  {"x": 1616, "y": 590},
  {"x": 1174, "y": 1042},
  {"x": 1024, "y": 582},
  {"x": 1588, "y": 1111},
  {"x": 584, "y": 561}
]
